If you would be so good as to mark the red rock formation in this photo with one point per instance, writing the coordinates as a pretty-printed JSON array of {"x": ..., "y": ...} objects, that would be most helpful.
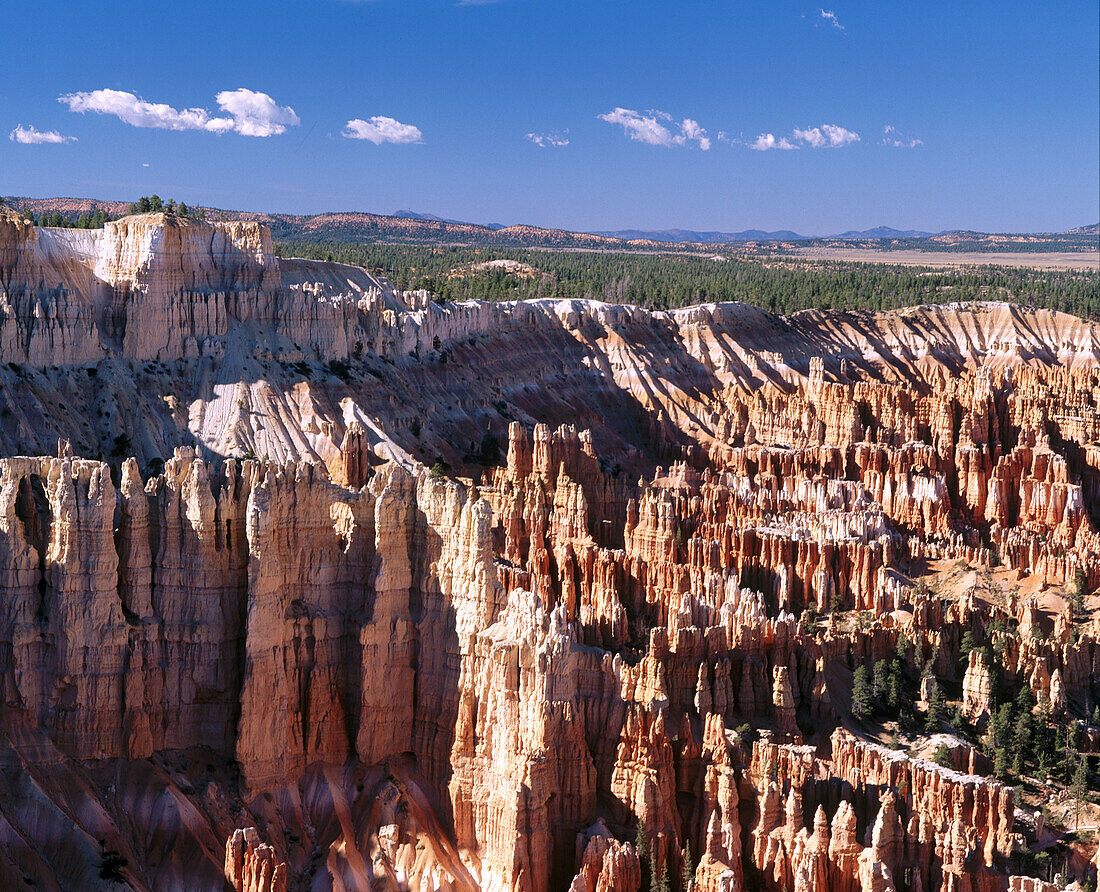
[
  {"x": 606, "y": 865},
  {"x": 497, "y": 679},
  {"x": 252, "y": 866}
]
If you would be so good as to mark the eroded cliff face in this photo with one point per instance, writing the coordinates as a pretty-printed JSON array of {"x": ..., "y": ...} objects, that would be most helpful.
[{"x": 258, "y": 642}]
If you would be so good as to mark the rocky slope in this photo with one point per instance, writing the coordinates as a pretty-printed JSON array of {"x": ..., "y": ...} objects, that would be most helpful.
[{"x": 247, "y": 637}]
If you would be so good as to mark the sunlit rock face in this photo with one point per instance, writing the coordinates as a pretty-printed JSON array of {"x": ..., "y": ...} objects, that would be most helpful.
[{"x": 307, "y": 583}]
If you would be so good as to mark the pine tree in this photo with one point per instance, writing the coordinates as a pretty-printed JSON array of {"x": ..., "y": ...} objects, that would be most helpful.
[
  {"x": 1080, "y": 784},
  {"x": 901, "y": 650},
  {"x": 894, "y": 692},
  {"x": 882, "y": 683},
  {"x": 935, "y": 710},
  {"x": 641, "y": 842},
  {"x": 862, "y": 693},
  {"x": 966, "y": 646},
  {"x": 688, "y": 870},
  {"x": 1080, "y": 592}
]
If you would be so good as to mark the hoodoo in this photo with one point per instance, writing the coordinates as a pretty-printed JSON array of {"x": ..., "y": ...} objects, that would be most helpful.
[{"x": 307, "y": 582}]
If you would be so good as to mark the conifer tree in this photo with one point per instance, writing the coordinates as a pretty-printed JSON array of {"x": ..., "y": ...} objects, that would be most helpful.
[{"x": 862, "y": 693}]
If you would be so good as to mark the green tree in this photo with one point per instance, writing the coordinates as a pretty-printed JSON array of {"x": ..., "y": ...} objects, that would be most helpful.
[
  {"x": 882, "y": 683},
  {"x": 965, "y": 646},
  {"x": 934, "y": 716},
  {"x": 687, "y": 877},
  {"x": 1079, "y": 786},
  {"x": 663, "y": 882},
  {"x": 641, "y": 846},
  {"x": 862, "y": 693},
  {"x": 1080, "y": 592},
  {"x": 902, "y": 650}
]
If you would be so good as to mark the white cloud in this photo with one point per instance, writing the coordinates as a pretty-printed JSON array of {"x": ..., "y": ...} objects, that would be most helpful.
[
  {"x": 829, "y": 18},
  {"x": 250, "y": 113},
  {"x": 766, "y": 141},
  {"x": 898, "y": 140},
  {"x": 814, "y": 137},
  {"x": 690, "y": 130},
  {"x": 648, "y": 129},
  {"x": 639, "y": 127},
  {"x": 555, "y": 140},
  {"x": 380, "y": 129},
  {"x": 826, "y": 136},
  {"x": 256, "y": 114},
  {"x": 29, "y": 136}
]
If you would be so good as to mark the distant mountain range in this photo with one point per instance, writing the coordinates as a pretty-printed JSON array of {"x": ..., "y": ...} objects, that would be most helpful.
[
  {"x": 756, "y": 235},
  {"x": 416, "y": 215},
  {"x": 692, "y": 236}
]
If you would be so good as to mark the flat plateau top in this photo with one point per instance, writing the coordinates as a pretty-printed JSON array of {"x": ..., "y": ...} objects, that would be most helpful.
[{"x": 1055, "y": 260}]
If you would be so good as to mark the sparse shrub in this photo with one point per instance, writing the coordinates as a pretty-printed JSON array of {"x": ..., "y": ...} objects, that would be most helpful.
[
  {"x": 121, "y": 446},
  {"x": 340, "y": 369}
]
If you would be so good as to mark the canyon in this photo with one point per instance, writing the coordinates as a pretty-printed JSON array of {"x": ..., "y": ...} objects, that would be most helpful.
[{"x": 310, "y": 583}]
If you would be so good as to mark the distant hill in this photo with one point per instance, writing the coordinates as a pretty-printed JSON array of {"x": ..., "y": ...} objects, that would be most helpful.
[
  {"x": 885, "y": 232},
  {"x": 414, "y": 228},
  {"x": 415, "y": 215},
  {"x": 708, "y": 238},
  {"x": 755, "y": 235}
]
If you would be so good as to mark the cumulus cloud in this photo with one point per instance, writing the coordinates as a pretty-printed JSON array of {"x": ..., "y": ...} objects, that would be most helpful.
[
  {"x": 247, "y": 112},
  {"x": 826, "y": 136},
  {"x": 691, "y": 131},
  {"x": 639, "y": 127},
  {"x": 256, "y": 114},
  {"x": 29, "y": 136},
  {"x": 543, "y": 140},
  {"x": 647, "y": 127},
  {"x": 380, "y": 129},
  {"x": 891, "y": 137},
  {"x": 766, "y": 141},
  {"x": 828, "y": 17}
]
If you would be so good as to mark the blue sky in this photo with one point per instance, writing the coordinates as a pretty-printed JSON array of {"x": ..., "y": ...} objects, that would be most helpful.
[{"x": 705, "y": 115}]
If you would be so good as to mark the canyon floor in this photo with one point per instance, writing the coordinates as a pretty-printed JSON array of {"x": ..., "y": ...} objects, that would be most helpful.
[{"x": 308, "y": 583}]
